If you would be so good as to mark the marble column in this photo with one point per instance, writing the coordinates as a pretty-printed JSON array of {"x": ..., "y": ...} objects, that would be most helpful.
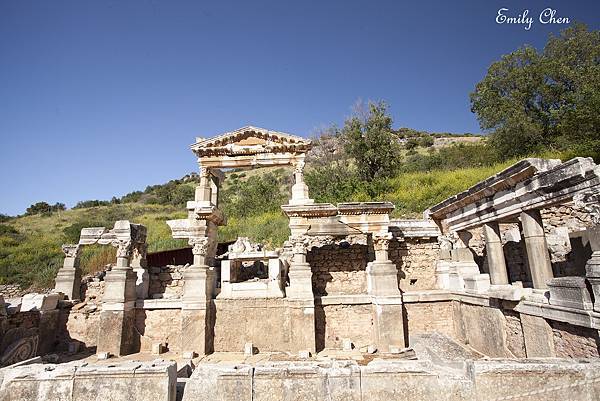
[
  {"x": 382, "y": 285},
  {"x": 197, "y": 307},
  {"x": 495, "y": 254},
  {"x": 117, "y": 335},
  {"x": 68, "y": 278},
  {"x": 300, "y": 300},
  {"x": 537, "y": 248},
  {"x": 203, "y": 190}
]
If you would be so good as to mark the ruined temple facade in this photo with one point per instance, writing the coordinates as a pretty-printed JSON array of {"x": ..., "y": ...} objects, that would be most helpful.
[{"x": 509, "y": 268}]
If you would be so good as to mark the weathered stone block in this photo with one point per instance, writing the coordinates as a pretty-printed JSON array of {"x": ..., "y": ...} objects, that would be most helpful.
[
  {"x": 570, "y": 292},
  {"x": 220, "y": 383},
  {"x": 538, "y": 336},
  {"x": 39, "y": 302}
]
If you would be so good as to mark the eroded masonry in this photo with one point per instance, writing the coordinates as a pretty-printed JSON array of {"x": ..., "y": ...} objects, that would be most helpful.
[{"x": 494, "y": 293}]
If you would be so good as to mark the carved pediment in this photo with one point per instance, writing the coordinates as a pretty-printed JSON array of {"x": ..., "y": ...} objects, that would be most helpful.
[{"x": 250, "y": 141}]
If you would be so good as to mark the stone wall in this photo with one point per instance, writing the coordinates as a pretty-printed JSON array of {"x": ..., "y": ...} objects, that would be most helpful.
[
  {"x": 499, "y": 331},
  {"x": 166, "y": 281},
  {"x": 394, "y": 380},
  {"x": 333, "y": 323},
  {"x": 427, "y": 317},
  {"x": 11, "y": 290},
  {"x": 574, "y": 341},
  {"x": 159, "y": 326},
  {"x": 415, "y": 259},
  {"x": 78, "y": 381},
  {"x": 337, "y": 270},
  {"x": 567, "y": 249},
  {"x": 261, "y": 322}
]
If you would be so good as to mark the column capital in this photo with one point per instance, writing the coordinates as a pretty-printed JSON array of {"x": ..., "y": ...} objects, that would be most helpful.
[
  {"x": 299, "y": 244},
  {"x": 124, "y": 248},
  {"x": 199, "y": 245},
  {"x": 204, "y": 172},
  {"x": 381, "y": 241},
  {"x": 71, "y": 250}
]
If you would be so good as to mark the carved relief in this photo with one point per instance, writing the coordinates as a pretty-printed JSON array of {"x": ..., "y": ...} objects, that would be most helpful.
[{"x": 19, "y": 344}]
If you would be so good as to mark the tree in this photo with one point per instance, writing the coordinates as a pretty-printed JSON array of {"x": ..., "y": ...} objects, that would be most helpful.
[
  {"x": 370, "y": 140},
  {"x": 532, "y": 100}
]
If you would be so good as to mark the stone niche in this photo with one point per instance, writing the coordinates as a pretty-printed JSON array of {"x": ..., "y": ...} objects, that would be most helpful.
[{"x": 251, "y": 272}]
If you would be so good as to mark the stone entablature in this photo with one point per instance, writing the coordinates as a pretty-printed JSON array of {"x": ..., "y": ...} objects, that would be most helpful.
[
  {"x": 507, "y": 198},
  {"x": 250, "y": 146}
]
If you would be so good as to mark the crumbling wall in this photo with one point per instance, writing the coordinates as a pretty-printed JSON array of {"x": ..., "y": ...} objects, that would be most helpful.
[
  {"x": 567, "y": 250},
  {"x": 11, "y": 290},
  {"x": 80, "y": 323},
  {"x": 166, "y": 281},
  {"x": 415, "y": 259},
  {"x": 338, "y": 270},
  {"x": 333, "y": 323}
]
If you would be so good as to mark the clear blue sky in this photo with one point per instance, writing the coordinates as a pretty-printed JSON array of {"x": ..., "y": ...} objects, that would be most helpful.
[{"x": 100, "y": 98}]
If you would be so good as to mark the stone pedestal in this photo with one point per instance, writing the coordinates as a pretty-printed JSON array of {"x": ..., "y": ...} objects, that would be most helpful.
[
  {"x": 462, "y": 265},
  {"x": 570, "y": 292},
  {"x": 495, "y": 254},
  {"x": 197, "y": 327},
  {"x": 477, "y": 283},
  {"x": 442, "y": 274},
  {"x": 538, "y": 337},
  {"x": 537, "y": 248},
  {"x": 117, "y": 334},
  {"x": 382, "y": 285},
  {"x": 68, "y": 281},
  {"x": 68, "y": 278},
  {"x": 592, "y": 267}
]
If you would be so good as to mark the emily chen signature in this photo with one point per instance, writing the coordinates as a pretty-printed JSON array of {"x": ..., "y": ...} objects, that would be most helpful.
[{"x": 546, "y": 16}]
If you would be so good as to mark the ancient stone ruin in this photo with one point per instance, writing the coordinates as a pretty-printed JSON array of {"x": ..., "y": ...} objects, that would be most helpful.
[{"x": 494, "y": 294}]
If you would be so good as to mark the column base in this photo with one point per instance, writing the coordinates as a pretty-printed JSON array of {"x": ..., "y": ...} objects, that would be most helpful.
[
  {"x": 68, "y": 281},
  {"x": 117, "y": 334}
]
